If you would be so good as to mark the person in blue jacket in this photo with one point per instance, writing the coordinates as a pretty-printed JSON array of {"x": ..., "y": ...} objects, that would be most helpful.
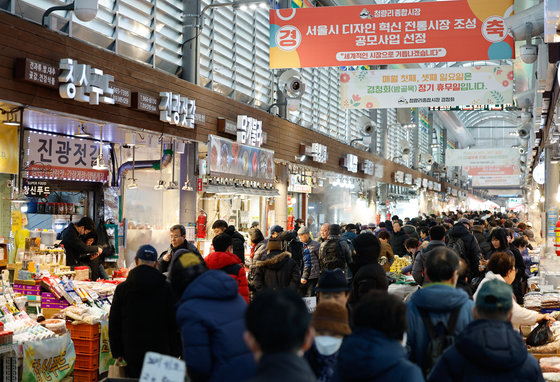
[
  {"x": 374, "y": 352},
  {"x": 210, "y": 316},
  {"x": 489, "y": 349},
  {"x": 438, "y": 298}
]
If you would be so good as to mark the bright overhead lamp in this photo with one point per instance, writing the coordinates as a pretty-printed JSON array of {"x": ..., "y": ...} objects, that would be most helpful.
[
  {"x": 11, "y": 119},
  {"x": 99, "y": 162},
  {"x": 173, "y": 185},
  {"x": 133, "y": 185},
  {"x": 82, "y": 131}
]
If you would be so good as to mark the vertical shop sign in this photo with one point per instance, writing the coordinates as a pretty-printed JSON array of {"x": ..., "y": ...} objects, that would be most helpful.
[
  {"x": 9, "y": 149},
  {"x": 176, "y": 109},
  {"x": 83, "y": 83},
  {"x": 350, "y": 162},
  {"x": 462, "y": 30},
  {"x": 552, "y": 218},
  {"x": 105, "y": 356}
]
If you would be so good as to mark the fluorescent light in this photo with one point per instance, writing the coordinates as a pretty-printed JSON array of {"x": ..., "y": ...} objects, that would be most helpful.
[
  {"x": 11, "y": 123},
  {"x": 253, "y": 6},
  {"x": 263, "y": 5},
  {"x": 243, "y": 7},
  {"x": 133, "y": 185}
]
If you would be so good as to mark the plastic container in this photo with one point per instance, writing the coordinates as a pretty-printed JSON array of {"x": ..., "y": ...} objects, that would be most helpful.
[
  {"x": 86, "y": 346},
  {"x": 86, "y": 375},
  {"x": 41, "y": 207},
  {"x": 83, "y": 331},
  {"x": 48, "y": 237},
  {"x": 50, "y": 208},
  {"x": 87, "y": 361},
  {"x": 69, "y": 209}
]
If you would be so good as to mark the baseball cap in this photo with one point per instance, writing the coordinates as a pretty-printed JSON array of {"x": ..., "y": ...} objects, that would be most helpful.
[
  {"x": 254, "y": 224},
  {"x": 332, "y": 281},
  {"x": 147, "y": 253},
  {"x": 276, "y": 228},
  {"x": 494, "y": 295},
  {"x": 303, "y": 231}
]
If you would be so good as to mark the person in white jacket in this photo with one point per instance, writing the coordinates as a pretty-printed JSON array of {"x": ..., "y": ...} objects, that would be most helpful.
[{"x": 501, "y": 266}]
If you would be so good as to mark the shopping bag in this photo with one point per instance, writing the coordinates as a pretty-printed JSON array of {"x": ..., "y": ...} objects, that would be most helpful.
[{"x": 117, "y": 370}]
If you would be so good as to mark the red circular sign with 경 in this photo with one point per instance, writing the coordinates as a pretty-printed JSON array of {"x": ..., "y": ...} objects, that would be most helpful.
[
  {"x": 288, "y": 37},
  {"x": 494, "y": 29}
]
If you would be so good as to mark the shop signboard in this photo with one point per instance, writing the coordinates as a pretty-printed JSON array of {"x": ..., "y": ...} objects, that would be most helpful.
[
  {"x": 234, "y": 160},
  {"x": 83, "y": 83},
  {"x": 379, "y": 171},
  {"x": 36, "y": 72},
  {"x": 463, "y": 30},
  {"x": 145, "y": 102},
  {"x": 552, "y": 219},
  {"x": 399, "y": 88},
  {"x": 226, "y": 126},
  {"x": 399, "y": 177},
  {"x": 408, "y": 179},
  {"x": 484, "y": 176},
  {"x": 36, "y": 188},
  {"x": 481, "y": 157},
  {"x": 249, "y": 131},
  {"x": 350, "y": 162},
  {"x": 122, "y": 96},
  {"x": 50, "y": 156},
  {"x": 319, "y": 152},
  {"x": 300, "y": 184},
  {"x": 9, "y": 149},
  {"x": 176, "y": 109},
  {"x": 368, "y": 167}
]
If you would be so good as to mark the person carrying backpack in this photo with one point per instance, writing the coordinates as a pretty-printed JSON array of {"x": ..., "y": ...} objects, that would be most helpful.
[
  {"x": 438, "y": 312},
  {"x": 463, "y": 242},
  {"x": 334, "y": 252},
  {"x": 223, "y": 259}
]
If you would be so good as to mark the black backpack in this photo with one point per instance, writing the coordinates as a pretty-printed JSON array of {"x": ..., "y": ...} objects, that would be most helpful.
[
  {"x": 295, "y": 247},
  {"x": 332, "y": 256},
  {"x": 437, "y": 342},
  {"x": 458, "y": 245}
]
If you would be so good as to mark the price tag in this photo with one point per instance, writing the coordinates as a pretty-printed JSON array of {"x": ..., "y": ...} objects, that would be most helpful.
[{"x": 162, "y": 368}]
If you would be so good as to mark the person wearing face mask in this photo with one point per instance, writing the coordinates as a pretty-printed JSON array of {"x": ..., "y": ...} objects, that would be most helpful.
[
  {"x": 374, "y": 351},
  {"x": 330, "y": 321}
]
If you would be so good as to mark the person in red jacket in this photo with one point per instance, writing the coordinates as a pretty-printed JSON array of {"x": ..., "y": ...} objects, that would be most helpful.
[{"x": 223, "y": 259}]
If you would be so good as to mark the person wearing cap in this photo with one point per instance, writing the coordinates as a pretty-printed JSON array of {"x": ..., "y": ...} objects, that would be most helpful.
[
  {"x": 275, "y": 231},
  {"x": 210, "y": 316},
  {"x": 374, "y": 350},
  {"x": 461, "y": 230},
  {"x": 142, "y": 316},
  {"x": 278, "y": 270},
  {"x": 311, "y": 270},
  {"x": 489, "y": 349},
  {"x": 255, "y": 224},
  {"x": 330, "y": 321},
  {"x": 333, "y": 286}
]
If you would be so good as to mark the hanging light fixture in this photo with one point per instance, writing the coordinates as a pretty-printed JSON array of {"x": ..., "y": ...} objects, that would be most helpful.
[
  {"x": 173, "y": 185},
  {"x": 11, "y": 119},
  {"x": 99, "y": 162},
  {"x": 133, "y": 185},
  {"x": 82, "y": 131},
  {"x": 160, "y": 186}
]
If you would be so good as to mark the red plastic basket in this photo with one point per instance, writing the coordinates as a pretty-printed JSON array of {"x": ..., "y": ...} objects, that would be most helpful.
[
  {"x": 87, "y": 361},
  {"x": 83, "y": 331},
  {"x": 85, "y": 375},
  {"x": 88, "y": 347}
]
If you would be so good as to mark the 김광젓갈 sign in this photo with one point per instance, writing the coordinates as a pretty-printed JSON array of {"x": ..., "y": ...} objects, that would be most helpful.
[
  {"x": 371, "y": 89},
  {"x": 462, "y": 30}
]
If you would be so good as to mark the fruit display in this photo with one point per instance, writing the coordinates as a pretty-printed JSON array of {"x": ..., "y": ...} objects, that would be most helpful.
[{"x": 399, "y": 263}]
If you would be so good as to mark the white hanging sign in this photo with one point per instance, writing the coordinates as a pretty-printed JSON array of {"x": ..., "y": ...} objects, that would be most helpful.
[
  {"x": 249, "y": 131},
  {"x": 319, "y": 153}
]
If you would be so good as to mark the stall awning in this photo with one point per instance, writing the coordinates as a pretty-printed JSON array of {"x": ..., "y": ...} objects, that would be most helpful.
[{"x": 221, "y": 189}]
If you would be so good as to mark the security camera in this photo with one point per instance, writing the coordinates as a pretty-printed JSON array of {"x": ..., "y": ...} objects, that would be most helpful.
[
  {"x": 523, "y": 131},
  {"x": 365, "y": 125},
  {"x": 291, "y": 84},
  {"x": 522, "y": 150},
  {"x": 85, "y": 10},
  {"x": 444, "y": 169},
  {"x": 405, "y": 147},
  {"x": 529, "y": 53},
  {"x": 526, "y": 116}
]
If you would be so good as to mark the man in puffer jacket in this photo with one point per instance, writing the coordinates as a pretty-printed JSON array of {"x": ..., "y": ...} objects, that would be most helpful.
[
  {"x": 461, "y": 230},
  {"x": 278, "y": 270},
  {"x": 311, "y": 269},
  {"x": 489, "y": 349},
  {"x": 210, "y": 315},
  {"x": 226, "y": 261}
]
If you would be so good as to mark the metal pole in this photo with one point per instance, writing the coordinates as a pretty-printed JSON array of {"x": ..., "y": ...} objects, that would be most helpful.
[{"x": 191, "y": 32}]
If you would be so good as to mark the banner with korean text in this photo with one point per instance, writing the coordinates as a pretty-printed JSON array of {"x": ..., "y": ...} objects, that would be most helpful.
[
  {"x": 481, "y": 157},
  {"x": 48, "y": 360},
  {"x": 474, "y": 85},
  {"x": 486, "y": 176},
  {"x": 462, "y": 30}
]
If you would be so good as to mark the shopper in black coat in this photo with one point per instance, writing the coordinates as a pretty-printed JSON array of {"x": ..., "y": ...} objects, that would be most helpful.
[
  {"x": 178, "y": 238},
  {"x": 278, "y": 270},
  {"x": 398, "y": 238},
  {"x": 472, "y": 250},
  {"x": 142, "y": 315},
  {"x": 77, "y": 252},
  {"x": 238, "y": 241}
]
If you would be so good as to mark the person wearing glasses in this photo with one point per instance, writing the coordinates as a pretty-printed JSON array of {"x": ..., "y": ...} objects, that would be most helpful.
[{"x": 178, "y": 237}]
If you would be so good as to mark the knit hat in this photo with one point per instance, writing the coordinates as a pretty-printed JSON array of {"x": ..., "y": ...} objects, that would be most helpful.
[
  {"x": 332, "y": 281},
  {"x": 332, "y": 317},
  {"x": 185, "y": 267},
  {"x": 303, "y": 231}
]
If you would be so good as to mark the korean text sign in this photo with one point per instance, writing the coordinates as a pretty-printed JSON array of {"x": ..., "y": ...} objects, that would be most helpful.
[
  {"x": 481, "y": 157},
  {"x": 462, "y": 30},
  {"x": 48, "y": 360},
  {"x": 59, "y": 157},
  {"x": 474, "y": 85}
]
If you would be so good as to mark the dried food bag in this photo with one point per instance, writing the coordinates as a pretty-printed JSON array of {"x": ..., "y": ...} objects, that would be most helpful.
[{"x": 541, "y": 335}]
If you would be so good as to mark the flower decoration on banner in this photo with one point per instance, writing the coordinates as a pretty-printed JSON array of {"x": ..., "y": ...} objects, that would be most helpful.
[
  {"x": 510, "y": 75},
  {"x": 369, "y": 105},
  {"x": 505, "y": 83},
  {"x": 356, "y": 99},
  {"x": 344, "y": 77}
]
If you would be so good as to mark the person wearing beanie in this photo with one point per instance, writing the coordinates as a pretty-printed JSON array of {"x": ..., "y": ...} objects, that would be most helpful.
[
  {"x": 368, "y": 273},
  {"x": 330, "y": 321},
  {"x": 374, "y": 351},
  {"x": 224, "y": 260},
  {"x": 144, "y": 304},
  {"x": 210, "y": 316},
  {"x": 278, "y": 270}
]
